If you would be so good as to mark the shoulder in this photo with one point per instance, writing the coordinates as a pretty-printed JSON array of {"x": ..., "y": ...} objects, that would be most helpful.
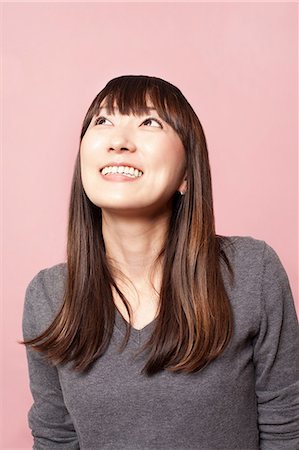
[
  {"x": 249, "y": 255},
  {"x": 261, "y": 282},
  {"x": 49, "y": 281},
  {"x": 43, "y": 298},
  {"x": 244, "y": 247}
]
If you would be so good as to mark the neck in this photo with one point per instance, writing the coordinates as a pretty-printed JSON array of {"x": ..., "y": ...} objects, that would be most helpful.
[{"x": 133, "y": 245}]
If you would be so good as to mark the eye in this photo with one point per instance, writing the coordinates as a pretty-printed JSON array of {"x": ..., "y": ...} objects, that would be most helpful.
[
  {"x": 153, "y": 120},
  {"x": 99, "y": 120}
]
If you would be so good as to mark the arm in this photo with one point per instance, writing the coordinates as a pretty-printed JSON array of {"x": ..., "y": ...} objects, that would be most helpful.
[
  {"x": 48, "y": 418},
  {"x": 276, "y": 359}
]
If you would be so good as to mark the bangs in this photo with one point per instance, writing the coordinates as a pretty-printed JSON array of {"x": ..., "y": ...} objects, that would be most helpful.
[{"x": 138, "y": 94}]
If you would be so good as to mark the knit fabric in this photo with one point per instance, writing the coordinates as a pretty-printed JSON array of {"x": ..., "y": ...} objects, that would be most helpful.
[{"x": 248, "y": 398}]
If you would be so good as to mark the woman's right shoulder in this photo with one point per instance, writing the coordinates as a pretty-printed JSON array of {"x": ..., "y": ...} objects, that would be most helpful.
[{"x": 44, "y": 296}]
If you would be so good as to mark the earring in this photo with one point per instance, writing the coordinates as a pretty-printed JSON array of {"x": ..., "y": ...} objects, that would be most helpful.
[{"x": 181, "y": 192}]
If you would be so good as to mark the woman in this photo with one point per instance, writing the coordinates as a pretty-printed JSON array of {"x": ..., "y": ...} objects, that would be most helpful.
[{"x": 157, "y": 333}]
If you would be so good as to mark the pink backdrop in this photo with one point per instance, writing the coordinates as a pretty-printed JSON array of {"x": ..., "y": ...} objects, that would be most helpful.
[{"x": 237, "y": 65}]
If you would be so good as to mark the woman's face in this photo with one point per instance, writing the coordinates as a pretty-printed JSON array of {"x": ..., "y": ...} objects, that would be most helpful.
[{"x": 121, "y": 143}]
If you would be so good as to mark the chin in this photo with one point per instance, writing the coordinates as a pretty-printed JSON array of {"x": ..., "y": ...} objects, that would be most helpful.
[{"x": 120, "y": 206}]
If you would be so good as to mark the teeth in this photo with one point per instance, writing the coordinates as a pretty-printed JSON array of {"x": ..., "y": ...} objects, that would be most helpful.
[{"x": 129, "y": 171}]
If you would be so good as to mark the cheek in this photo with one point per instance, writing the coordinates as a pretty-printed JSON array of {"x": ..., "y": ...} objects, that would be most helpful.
[
  {"x": 168, "y": 171},
  {"x": 88, "y": 156},
  {"x": 91, "y": 146},
  {"x": 167, "y": 151},
  {"x": 173, "y": 159}
]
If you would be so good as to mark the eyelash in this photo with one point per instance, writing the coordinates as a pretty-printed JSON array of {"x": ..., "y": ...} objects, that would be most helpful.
[
  {"x": 98, "y": 119},
  {"x": 156, "y": 120},
  {"x": 149, "y": 118}
]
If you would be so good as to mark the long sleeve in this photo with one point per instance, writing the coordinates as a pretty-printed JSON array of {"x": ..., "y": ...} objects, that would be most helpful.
[
  {"x": 48, "y": 418},
  {"x": 276, "y": 359}
]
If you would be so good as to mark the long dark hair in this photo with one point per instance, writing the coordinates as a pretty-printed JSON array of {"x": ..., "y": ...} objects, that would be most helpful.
[{"x": 194, "y": 323}]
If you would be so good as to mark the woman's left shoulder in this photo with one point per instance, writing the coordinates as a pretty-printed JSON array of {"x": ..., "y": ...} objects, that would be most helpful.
[
  {"x": 246, "y": 246},
  {"x": 250, "y": 253},
  {"x": 259, "y": 272}
]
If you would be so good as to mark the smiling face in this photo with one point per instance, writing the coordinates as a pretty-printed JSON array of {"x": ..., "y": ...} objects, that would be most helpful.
[{"x": 143, "y": 142}]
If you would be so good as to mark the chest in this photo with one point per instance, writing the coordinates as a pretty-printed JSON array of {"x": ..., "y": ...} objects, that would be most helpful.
[
  {"x": 212, "y": 405},
  {"x": 144, "y": 308}
]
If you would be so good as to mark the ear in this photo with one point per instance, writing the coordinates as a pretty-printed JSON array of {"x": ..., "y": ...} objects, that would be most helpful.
[{"x": 183, "y": 186}]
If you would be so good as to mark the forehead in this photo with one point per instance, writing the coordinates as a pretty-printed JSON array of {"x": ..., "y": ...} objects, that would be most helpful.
[
  {"x": 126, "y": 101},
  {"x": 114, "y": 108}
]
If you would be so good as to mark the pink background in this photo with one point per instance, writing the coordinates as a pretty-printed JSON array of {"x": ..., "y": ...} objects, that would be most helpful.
[{"x": 237, "y": 65}]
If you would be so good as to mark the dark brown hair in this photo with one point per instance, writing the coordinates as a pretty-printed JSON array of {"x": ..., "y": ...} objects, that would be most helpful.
[{"x": 194, "y": 323}]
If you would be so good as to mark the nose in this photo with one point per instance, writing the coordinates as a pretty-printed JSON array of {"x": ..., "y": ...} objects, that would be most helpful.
[{"x": 120, "y": 142}]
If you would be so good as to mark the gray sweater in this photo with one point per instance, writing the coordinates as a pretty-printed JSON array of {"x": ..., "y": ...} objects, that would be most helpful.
[{"x": 248, "y": 398}]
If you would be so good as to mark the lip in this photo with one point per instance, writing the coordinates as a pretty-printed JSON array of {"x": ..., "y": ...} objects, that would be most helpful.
[
  {"x": 118, "y": 177},
  {"x": 122, "y": 163}
]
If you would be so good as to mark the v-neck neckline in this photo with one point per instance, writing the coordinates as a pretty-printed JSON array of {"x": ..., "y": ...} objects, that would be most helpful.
[{"x": 137, "y": 335}]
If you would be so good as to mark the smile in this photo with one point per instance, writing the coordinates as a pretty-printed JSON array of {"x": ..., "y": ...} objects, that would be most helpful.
[{"x": 130, "y": 172}]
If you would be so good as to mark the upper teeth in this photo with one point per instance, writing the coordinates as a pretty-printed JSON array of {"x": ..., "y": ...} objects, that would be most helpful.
[{"x": 130, "y": 171}]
